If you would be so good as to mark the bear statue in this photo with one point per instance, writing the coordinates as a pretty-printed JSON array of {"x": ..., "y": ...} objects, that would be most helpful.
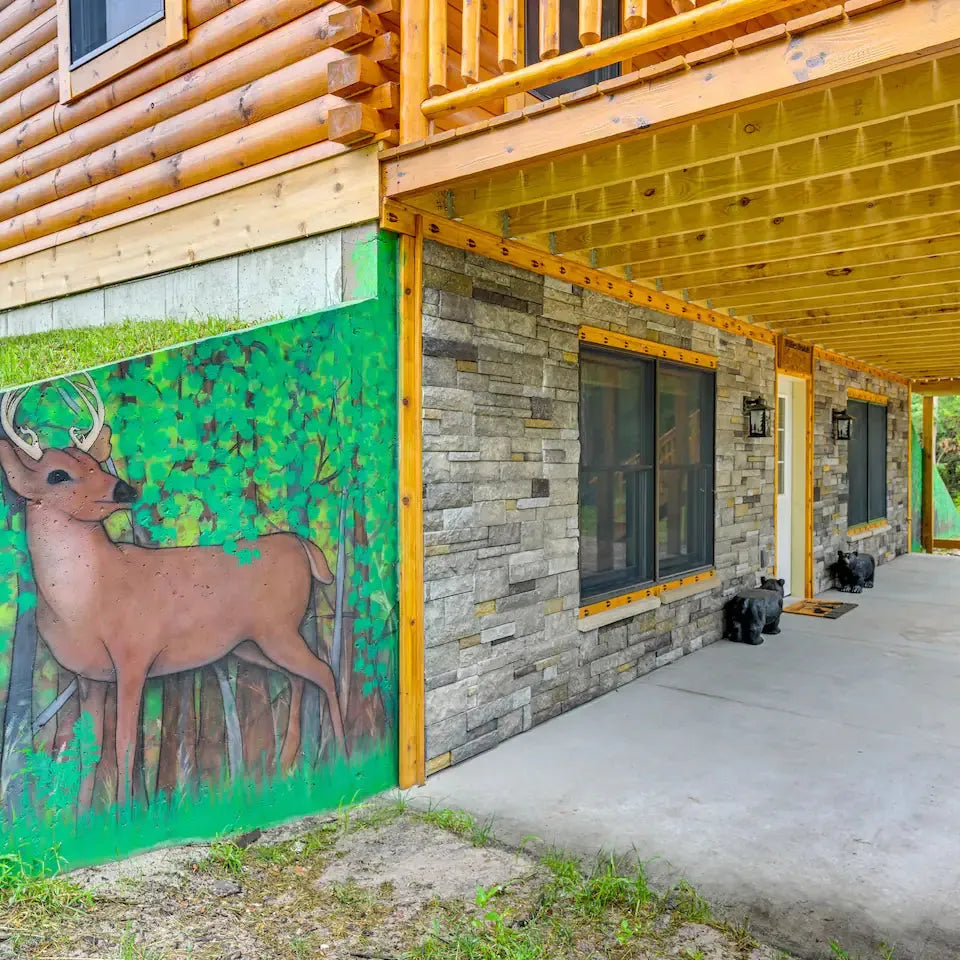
[
  {"x": 854, "y": 571},
  {"x": 752, "y": 612}
]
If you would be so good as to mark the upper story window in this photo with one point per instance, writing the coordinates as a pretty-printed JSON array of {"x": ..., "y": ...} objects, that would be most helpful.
[
  {"x": 97, "y": 25},
  {"x": 867, "y": 462},
  {"x": 101, "y": 39},
  {"x": 570, "y": 40},
  {"x": 646, "y": 470}
]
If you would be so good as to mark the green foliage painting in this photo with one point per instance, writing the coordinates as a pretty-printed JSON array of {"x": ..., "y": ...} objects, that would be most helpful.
[{"x": 198, "y": 598}]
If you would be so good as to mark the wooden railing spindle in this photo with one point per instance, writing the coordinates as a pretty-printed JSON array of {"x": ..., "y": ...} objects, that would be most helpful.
[
  {"x": 437, "y": 47},
  {"x": 470, "y": 58},
  {"x": 589, "y": 21},
  {"x": 549, "y": 29},
  {"x": 634, "y": 14},
  {"x": 508, "y": 35}
]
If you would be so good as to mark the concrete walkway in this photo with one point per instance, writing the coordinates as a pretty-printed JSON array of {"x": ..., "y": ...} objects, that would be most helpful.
[{"x": 812, "y": 783}]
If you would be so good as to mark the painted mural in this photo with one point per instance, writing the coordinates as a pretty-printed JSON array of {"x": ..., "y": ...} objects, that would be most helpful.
[{"x": 198, "y": 600}]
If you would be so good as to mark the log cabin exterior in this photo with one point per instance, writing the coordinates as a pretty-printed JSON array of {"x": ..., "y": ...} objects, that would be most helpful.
[{"x": 713, "y": 203}]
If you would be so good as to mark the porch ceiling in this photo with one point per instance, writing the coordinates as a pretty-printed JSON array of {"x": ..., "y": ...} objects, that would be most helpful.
[{"x": 832, "y": 214}]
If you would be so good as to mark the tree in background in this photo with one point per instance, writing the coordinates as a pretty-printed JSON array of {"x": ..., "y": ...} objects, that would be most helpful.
[{"x": 947, "y": 422}]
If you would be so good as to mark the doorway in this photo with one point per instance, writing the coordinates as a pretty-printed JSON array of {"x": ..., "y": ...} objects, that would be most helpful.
[{"x": 791, "y": 482}]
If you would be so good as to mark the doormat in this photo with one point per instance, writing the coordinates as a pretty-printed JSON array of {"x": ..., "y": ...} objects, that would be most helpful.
[{"x": 831, "y": 609}]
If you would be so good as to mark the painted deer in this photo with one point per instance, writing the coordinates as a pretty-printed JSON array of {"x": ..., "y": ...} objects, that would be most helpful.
[{"x": 120, "y": 613}]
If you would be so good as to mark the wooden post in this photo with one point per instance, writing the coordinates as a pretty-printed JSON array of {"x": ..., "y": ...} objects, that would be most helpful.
[
  {"x": 437, "y": 74},
  {"x": 929, "y": 465},
  {"x": 508, "y": 35},
  {"x": 413, "y": 69},
  {"x": 589, "y": 21},
  {"x": 470, "y": 43},
  {"x": 910, "y": 468},
  {"x": 412, "y": 717},
  {"x": 808, "y": 587},
  {"x": 549, "y": 29}
]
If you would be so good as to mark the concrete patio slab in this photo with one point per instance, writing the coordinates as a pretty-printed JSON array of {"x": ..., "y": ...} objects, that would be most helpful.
[{"x": 812, "y": 783}]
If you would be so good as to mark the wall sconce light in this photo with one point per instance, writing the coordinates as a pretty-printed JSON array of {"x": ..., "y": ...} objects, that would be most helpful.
[
  {"x": 841, "y": 425},
  {"x": 758, "y": 416}
]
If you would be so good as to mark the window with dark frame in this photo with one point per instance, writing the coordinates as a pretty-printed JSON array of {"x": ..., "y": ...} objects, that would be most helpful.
[
  {"x": 867, "y": 463},
  {"x": 646, "y": 470},
  {"x": 98, "y": 25},
  {"x": 610, "y": 26}
]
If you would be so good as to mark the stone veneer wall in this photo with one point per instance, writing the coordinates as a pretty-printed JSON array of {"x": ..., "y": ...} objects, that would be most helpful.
[
  {"x": 831, "y": 383},
  {"x": 501, "y": 452}
]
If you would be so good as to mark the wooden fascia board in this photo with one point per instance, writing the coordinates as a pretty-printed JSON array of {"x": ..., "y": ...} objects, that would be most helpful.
[
  {"x": 401, "y": 219},
  {"x": 869, "y": 43}
]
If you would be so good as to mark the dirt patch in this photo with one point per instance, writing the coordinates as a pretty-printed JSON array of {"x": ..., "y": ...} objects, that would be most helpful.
[{"x": 386, "y": 884}]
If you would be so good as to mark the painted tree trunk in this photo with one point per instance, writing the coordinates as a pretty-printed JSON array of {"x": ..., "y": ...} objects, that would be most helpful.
[
  {"x": 212, "y": 736},
  {"x": 178, "y": 762},
  {"x": 255, "y": 709},
  {"x": 310, "y": 707}
]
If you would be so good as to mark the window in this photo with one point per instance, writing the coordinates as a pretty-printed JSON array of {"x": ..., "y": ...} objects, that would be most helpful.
[
  {"x": 97, "y": 24},
  {"x": 101, "y": 39},
  {"x": 646, "y": 470},
  {"x": 867, "y": 462},
  {"x": 610, "y": 26}
]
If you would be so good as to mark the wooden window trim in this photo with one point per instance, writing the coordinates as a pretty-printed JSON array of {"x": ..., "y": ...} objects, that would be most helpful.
[
  {"x": 620, "y": 341},
  {"x": 121, "y": 57},
  {"x": 867, "y": 397}
]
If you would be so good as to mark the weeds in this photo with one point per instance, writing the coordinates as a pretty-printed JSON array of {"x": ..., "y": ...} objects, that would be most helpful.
[
  {"x": 462, "y": 824},
  {"x": 131, "y": 950},
  {"x": 227, "y": 856},
  {"x": 689, "y": 906},
  {"x": 31, "y": 886}
]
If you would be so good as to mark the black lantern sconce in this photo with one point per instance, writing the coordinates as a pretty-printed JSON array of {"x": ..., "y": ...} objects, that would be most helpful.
[
  {"x": 842, "y": 422},
  {"x": 757, "y": 414}
]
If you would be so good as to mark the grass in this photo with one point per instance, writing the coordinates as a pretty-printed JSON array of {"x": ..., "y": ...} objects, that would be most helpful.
[
  {"x": 40, "y": 356},
  {"x": 32, "y": 884},
  {"x": 461, "y": 823},
  {"x": 131, "y": 950}
]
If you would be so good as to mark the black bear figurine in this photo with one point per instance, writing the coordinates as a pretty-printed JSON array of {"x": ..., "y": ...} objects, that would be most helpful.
[
  {"x": 752, "y": 612},
  {"x": 854, "y": 571}
]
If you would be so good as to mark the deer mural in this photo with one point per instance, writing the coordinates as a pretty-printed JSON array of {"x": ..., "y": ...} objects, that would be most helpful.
[{"x": 122, "y": 613}]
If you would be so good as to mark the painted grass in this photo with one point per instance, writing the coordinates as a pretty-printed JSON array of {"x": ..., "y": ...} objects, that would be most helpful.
[
  {"x": 60, "y": 839},
  {"x": 41, "y": 356}
]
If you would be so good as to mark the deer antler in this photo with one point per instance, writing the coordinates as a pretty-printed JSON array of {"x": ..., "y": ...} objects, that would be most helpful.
[
  {"x": 22, "y": 437},
  {"x": 90, "y": 398}
]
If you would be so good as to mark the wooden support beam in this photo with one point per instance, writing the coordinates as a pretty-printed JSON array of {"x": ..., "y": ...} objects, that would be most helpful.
[
  {"x": 464, "y": 237},
  {"x": 940, "y": 387},
  {"x": 854, "y": 166},
  {"x": 946, "y": 544},
  {"x": 412, "y": 733},
  {"x": 870, "y": 44},
  {"x": 910, "y": 468},
  {"x": 929, "y": 465}
]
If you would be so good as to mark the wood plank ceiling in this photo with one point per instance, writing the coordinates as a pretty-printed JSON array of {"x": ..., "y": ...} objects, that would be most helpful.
[{"x": 833, "y": 215}]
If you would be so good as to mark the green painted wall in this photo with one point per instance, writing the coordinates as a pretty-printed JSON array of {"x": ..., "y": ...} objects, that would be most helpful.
[{"x": 285, "y": 431}]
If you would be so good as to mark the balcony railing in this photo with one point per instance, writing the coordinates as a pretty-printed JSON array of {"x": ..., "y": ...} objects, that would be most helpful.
[{"x": 475, "y": 65}]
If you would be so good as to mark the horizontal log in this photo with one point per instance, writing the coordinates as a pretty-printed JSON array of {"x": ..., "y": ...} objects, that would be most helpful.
[
  {"x": 354, "y": 27},
  {"x": 28, "y": 39},
  {"x": 19, "y": 14},
  {"x": 226, "y": 33},
  {"x": 278, "y": 49},
  {"x": 200, "y": 11},
  {"x": 20, "y": 85},
  {"x": 283, "y": 133},
  {"x": 298, "y": 83},
  {"x": 353, "y": 123},
  {"x": 356, "y": 74}
]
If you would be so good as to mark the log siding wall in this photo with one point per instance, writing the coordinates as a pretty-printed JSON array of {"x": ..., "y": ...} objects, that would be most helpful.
[{"x": 248, "y": 87}]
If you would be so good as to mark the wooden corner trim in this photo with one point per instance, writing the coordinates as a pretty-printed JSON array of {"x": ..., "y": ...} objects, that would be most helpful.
[
  {"x": 867, "y": 396},
  {"x": 650, "y": 348}
]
